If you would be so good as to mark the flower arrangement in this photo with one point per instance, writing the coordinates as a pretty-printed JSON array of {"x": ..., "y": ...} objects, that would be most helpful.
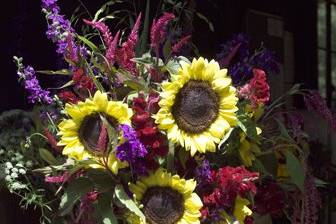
[{"x": 145, "y": 135}]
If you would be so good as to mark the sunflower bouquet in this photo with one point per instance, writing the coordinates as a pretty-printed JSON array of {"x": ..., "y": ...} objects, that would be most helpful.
[{"x": 139, "y": 134}]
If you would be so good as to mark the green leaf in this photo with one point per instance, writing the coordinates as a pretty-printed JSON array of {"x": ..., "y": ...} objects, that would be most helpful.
[
  {"x": 144, "y": 34},
  {"x": 70, "y": 83},
  {"x": 320, "y": 183},
  {"x": 48, "y": 156},
  {"x": 201, "y": 16},
  {"x": 248, "y": 126},
  {"x": 283, "y": 130},
  {"x": 101, "y": 179},
  {"x": 105, "y": 210},
  {"x": 104, "y": 8},
  {"x": 88, "y": 43},
  {"x": 226, "y": 137},
  {"x": 129, "y": 203},
  {"x": 58, "y": 72},
  {"x": 295, "y": 170},
  {"x": 73, "y": 193}
]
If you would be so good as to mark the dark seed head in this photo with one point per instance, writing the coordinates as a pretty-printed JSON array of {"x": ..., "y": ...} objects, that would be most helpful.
[
  {"x": 91, "y": 129},
  {"x": 196, "y": 106},
  {"x": 163, "y": 205}
]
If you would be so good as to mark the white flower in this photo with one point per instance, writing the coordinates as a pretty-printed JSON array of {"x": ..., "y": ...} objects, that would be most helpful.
[
  {"x": 22, "y": 171},
  {"x": 15, "y": 170},
  {"x": 9, "y": 165},
  {"x": 8, "y": 178},
  {"x": 14, "y": 175}
]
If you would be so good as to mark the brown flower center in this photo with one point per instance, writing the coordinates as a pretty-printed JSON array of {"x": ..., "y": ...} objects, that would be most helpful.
[
  {"x": 163, "y": 205},
  {"x": 196, "y": 106},
  {"x": 92, "y": 135}
]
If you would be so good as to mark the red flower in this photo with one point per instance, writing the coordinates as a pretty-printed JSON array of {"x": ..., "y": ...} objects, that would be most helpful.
[
  {"x": 269, "y": 199},
  {"x": 226, "y": 184},
  {"x": 257, "y": 90},
  {"x": 68, "y": 97},
  {"x": 147, "y": 131}
]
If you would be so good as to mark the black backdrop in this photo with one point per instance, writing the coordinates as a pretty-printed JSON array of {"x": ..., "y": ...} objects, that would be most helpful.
[{"x": 23, "y": 33}]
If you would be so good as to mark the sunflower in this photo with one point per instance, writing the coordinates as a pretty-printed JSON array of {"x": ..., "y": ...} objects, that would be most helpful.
[
  {"x": 80, "y": 134},
  {"x": 198, "y": 106},
  {"x": 167, "y": 199}
]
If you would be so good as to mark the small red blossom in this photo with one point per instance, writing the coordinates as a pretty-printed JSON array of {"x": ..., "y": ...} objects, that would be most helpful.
[{"x": 68, "y": 97}]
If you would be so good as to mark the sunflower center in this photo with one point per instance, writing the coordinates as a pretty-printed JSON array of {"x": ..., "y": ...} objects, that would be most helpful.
[
  {"x": 163, "y": 205},
  {"x": 196, "y": 106},
  {"x": 92, "y": 134}
]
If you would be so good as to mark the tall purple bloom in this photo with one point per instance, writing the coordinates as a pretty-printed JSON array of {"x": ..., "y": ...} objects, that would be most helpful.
[
  {"x": 61, "y": 32},
  {"x": 35, "y": 93},
  {"x": 132, "y": 151}
]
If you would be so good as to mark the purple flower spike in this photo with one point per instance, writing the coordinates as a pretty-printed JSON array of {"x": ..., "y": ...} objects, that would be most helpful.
[
  {"x": 132, "y": 151},
  {"x": 32, "y": 86}
]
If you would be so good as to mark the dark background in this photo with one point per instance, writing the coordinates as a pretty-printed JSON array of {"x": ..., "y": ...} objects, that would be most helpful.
[{"x": 23, "y": 34}]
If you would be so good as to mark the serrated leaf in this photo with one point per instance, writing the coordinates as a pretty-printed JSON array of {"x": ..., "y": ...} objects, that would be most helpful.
[
  {"x": 129, "y": 203},
  {"x": 48, "y": 156},
  {"x": 58, "y": 72},
  {"x": 75, "y": 190},
  {"x": 295, "y": 170}
]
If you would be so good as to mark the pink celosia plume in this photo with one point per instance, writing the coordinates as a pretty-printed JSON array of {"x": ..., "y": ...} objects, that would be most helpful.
[
  {"x": 159, "y": 30},
  {"x": 127, "y": 50},
  {"x": 180, "y": 44}
]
